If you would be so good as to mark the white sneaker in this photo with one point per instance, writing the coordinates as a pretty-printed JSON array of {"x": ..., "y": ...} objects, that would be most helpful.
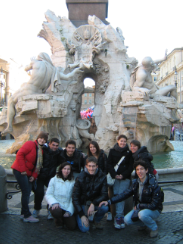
[
  {"x": 49, "y": 215},
  {"x": 109, "y": 216},
  {"x": 30, "y": 219},
  {"x": 35, "y": 213}
]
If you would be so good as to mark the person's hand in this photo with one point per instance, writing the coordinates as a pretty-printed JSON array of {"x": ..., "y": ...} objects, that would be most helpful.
[
  {"x": 91, "y": 209},
  {"x": 31, "y": 179},
  {"x": 84, "y": 221},
  {"x": 67, "y": 214},
  {"x": 56, "y": 205},
  {"x": 24, "y": 173},
  {"x": 119, "y": 177},
  {"x": 135, "y": 208},
  {"x": 105, "y": 203}
]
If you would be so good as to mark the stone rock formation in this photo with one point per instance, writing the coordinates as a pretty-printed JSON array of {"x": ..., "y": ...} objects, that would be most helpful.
[{"x": 97, "y": 51}]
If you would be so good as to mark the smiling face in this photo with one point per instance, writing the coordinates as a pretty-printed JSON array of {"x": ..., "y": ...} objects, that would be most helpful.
[
  {"x": 121, "y": 142},
  {"x": 91, "y": 167},
  {"x": 41, "y": 141},
  {"x": 70, "y": 149},
  {"x": 141, "y": 172},
  {"x": 93, "y": 149},
  {"x": 66, "y": 171},
  {"x": 133, "y": 148}
]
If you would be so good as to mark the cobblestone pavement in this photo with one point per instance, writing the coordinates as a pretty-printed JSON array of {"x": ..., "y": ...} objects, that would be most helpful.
[
  {"x": 14, "y": 231},
  {"x": 170, "y": 223}
]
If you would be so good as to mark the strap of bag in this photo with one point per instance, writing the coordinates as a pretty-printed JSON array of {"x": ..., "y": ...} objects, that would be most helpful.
[{"x": 118, "y": 164}]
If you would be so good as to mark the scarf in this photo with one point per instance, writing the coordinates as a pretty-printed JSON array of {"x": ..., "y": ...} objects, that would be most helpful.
[
  {"x": 39, "y": 159},
  {"x": 120, "y": 149}
]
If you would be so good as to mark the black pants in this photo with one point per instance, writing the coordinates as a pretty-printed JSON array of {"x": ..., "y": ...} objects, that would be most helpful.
[
  {"x": 60, "y": 220},
  {"x": 38, "y": 190}
]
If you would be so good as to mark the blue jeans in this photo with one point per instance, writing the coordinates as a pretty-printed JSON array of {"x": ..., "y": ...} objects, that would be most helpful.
[
  {"x": 98, "y": 216},
  {"x": 25, "y": 186},
  {"x": 146, "y": 217},
  {"x": 119, "y": 187}
]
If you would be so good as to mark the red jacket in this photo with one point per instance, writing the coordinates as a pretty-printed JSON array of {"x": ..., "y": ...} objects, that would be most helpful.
[{"x": 26, "y": 159}]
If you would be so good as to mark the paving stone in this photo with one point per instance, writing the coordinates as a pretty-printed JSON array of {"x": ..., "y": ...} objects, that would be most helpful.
[{"x": 15, "y": 231}]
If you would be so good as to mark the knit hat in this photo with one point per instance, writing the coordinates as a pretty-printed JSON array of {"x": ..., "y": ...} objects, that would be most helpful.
[{"x": 43, "y": 135}]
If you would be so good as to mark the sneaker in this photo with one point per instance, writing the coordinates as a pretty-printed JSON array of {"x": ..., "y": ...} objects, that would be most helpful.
[
  {"x": 154, "y": 233},
  {"x": 141, "y": 228},
  {"x": 109, "y": 216},
  {"x": 30, "y": 219},
  {"x": 98, "y": 225},
  {"x": 35, "y": 213},
  {"x": 49, "y": 215},
  {"x": 122, "y": 223},
  {"x": 22, "y": 216},
  {"x": 117, "y": 222}
]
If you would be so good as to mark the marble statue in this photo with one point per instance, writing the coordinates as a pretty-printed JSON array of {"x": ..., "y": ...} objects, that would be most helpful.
[
  {"x": 141, "y": 78},
  {"x": 86, "y": 43},
  {"x": 51, "y": 100},
  {"x": 43, "y": 73}
]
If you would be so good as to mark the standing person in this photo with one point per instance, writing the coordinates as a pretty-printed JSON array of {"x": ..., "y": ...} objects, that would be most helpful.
[
  {"x": 142, "y": 153},
  {"x": 89, "y": 190},
  {"x": 51, "y": 160},
  {"x": 73, "y": 156},
  {"x": 148, "y": 199},
  {"x": 26, "y": 168},
  {"x": 59, "y": 197},
  {"x": 121, "y": 155},
  {"x": 94, "y": 150}
]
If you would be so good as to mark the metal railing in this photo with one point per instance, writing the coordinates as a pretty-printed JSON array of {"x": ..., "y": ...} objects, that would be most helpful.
[{"x": 10, "y": 194}]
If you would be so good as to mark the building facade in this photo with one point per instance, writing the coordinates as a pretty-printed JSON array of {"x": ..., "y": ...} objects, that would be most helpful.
[
  {"x": 170, "y": 72},
  {"x": 88, "y": 98}
]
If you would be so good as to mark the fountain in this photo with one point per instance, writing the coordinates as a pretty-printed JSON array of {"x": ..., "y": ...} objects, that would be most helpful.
[{"x": 123, "y": 105}]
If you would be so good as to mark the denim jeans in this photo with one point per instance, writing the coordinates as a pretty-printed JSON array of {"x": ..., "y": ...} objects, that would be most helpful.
[
  {"x": 146, "y": 217},
  {"x": 25, "y": 186},
  {"x": 98, "y": 216},
  {"x": 119, "y": 187}
]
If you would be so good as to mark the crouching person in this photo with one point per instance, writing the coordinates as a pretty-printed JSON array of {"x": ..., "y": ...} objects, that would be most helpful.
[
  {"x": 147, "y": 200},
  {"x": 89, "y": 190},
  {"x": 59, "y": 197}
]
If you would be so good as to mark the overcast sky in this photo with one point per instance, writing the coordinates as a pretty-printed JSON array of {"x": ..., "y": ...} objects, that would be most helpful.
[{"x": 149, "y": 26}]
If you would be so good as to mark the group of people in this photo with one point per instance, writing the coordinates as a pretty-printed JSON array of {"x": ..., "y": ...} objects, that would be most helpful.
[{"x": 77, "y": 188}]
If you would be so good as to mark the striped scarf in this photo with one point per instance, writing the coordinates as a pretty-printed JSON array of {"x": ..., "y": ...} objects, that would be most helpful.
[{"x": 39, "y": 159}]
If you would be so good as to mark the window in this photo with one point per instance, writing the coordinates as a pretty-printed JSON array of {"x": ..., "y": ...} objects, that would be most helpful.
[
  {"x": 90, "y": 101},
  {"x": 85, "y": 95},
  {"x": 90, "y": 94},
  {"x": 85, "y": 101}
]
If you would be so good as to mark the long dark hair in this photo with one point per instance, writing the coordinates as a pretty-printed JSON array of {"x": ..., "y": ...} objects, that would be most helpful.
[
  {"x": 59, "y": 173},
  {"x": 96, "y": 145}
]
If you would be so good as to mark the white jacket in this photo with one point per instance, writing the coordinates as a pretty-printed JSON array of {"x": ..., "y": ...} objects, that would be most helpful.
[{"x": 60, "y": 191}]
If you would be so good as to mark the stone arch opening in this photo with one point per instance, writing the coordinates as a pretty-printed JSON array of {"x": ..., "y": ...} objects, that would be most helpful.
[{"x": 88, "y": 95}]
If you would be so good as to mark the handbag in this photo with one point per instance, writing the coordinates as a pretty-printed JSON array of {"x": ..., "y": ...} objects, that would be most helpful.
[{"x": 110, "y": 180}]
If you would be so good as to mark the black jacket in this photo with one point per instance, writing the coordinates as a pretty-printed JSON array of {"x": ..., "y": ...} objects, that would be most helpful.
[
  {"x": 143, "y": 154},
  {"x": 102, "y": 161},
  {"x": 77, "y": 160},
  {"x": 89, "y": 188},
  {"x": 126, "y": 166},
  {"x": 51, "y": 160},
  {"x": 151, "y": 194}
]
